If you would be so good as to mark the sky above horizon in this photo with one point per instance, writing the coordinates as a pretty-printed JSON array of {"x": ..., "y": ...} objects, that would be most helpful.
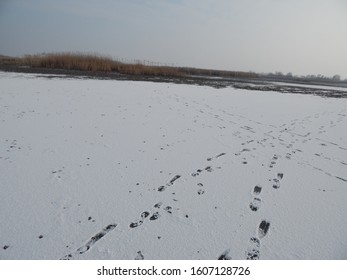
[{"x": 298, "y": 36}]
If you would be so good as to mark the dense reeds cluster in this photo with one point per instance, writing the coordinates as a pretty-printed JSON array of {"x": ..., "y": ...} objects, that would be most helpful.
[{"x": 99, "y": 63}]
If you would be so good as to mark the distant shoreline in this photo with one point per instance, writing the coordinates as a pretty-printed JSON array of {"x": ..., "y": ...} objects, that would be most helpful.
[{"x": 259, "y": 84}]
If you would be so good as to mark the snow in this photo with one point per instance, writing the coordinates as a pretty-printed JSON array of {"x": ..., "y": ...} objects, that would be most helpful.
[
  {"x": 81, "y": 160},
  {"x": 310, "y": 86}
]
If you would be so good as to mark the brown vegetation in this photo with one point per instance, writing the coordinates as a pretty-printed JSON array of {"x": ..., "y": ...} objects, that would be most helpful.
[
  {"x": 98, "y": 63},
  {"x": 88, "y": 62},
  {"x": 69, "y": 61}
]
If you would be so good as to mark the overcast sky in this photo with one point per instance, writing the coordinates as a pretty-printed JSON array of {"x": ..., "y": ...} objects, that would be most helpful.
[{"x": 298, "y": 36}]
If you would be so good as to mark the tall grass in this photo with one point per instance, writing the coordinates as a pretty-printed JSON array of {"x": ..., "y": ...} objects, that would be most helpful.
[
  {"x": 94, "y": 63},
  {"x": 99, "y": 63},
  {"x": 70, "y": 61}
]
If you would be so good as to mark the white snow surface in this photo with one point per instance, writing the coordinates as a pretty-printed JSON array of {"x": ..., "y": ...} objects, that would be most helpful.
[{"x": 82, "y": 161}]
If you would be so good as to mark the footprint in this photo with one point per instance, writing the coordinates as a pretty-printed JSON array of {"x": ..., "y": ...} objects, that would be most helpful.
[
  {"x": 139, "y": 256},
  {"x": 155, "y": 216},
  {"x": 208, "y": 169},
  {"x": 217, "y": 156},
  {"x": 220, "y": 155},
  {"x": 242, "y": 151},
  {"x": 201, "y": 191},
  {"x": 255, "y": 204},
  {"x": 96, "y": 238},
  {"x": 136, "y": 224},
  {"x": 173, "y": 180},
  {"x": 257, "y": 190},
  {"x": 67, "y": 257},
  {"x": 276, "y": 183},
  {"x": 168, "y": 209},
  {"x": 263, "y": 228},
  {"x": 144, "y": 214},
  {"x": 253, "y": 252},
  {"x": 158, "y": 205},
  {"x": 225, "y": 255},
  {"x": 273, "y": 161}
]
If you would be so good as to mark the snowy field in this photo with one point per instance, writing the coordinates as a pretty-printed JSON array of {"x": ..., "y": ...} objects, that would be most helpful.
[{"x": 101, "y": 169}]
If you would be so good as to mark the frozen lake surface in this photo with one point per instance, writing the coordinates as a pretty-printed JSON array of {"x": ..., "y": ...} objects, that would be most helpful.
[{"x": 101, "y": 169}]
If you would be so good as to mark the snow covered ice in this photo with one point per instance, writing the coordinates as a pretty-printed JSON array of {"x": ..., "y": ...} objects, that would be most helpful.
[{"x": 104, "y": 169}]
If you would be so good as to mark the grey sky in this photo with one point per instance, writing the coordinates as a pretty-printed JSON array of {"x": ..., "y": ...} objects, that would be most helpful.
[{"x": 299, "y": 36}]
